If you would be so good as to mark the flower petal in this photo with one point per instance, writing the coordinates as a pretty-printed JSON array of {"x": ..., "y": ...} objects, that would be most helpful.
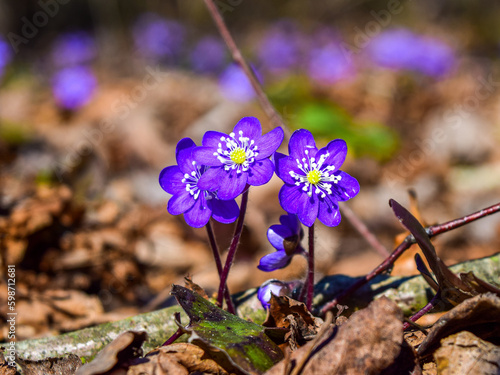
[
  {"x": 308, "y": 209},
  {"x": 210, "y": 179},
  {"x": 337, "y": 150},
  {"x": 199, "y": 214},
  {"x": 183, "y": 144},
  {"x": 250, "y": 127},
  {"x": 285, "y": 164},
  {"x": 276, "y": 234},
  {"x": 212, "y": 139},
  {"x": 300, "y": 141},
  {"x": 289, "y": 196},
  {"x": 224, "y": 211},
  {"x": 205, "y": 156},
  {"x": 346, "y": 188},
  {"x": 232, "y": 184},
  {"x": 260, "y": 172},
  {"x": 292, "y": 222},
  {"x": 269, "y": 143},
  {"x": 329, "y": 213},
  {"x": 274, "y": 261},
  {"x": 180, "y": 203},
  {"x": 171, "y": 180}
]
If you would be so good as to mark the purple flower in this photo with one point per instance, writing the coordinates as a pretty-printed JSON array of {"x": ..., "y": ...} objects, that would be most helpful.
[
  {"x": 158, "y": 38},
  {"x": 285, "y": 238},
  {"x": 209, "y": 55},
  {"x": 72, "y": 49},
  {"x": 73, "y": 87},
  {"x": 402, "y": 49},
  {"x": 279, "y": 50},
  {"x": 235, "y": 85},
  {"x": 272, "y": 286},
  {"x": 197, "y": 204},
  {"x": 313, "y": 182},
  {"x": 238, "y": 159},
  {"x": 329, "y": 64},
  {"x": 5, "y": 55}
]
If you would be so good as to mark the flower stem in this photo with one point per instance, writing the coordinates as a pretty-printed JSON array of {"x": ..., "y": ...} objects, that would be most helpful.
[
  {"x": 218, "y": 263},
  {"x": 432, "y": 231},
  {"x": 264, "y": 102},
  {"x": 310, "y": 271},
  {"x": 234, "y": 245},
  {"x": 424, "y": 310}
]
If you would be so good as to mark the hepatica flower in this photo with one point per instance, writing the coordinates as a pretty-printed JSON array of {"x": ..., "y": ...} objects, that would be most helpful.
[
  {"x": 270, "y": 287},
  {"x": 197, "y": 204},
  {"x": 237, "y": 159},
  {"x": 285, "y": 238},
  {"x": 313, "y": 182},
  {"x": 75, "y": 48},
  {"x": 73, "y": 87}
]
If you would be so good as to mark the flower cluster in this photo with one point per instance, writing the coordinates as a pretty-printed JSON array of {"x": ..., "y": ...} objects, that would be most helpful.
[{"x": 208, "y": 178}]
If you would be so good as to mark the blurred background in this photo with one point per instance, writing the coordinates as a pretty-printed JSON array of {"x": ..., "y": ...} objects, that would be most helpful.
[{"x": 94, "y": 96}]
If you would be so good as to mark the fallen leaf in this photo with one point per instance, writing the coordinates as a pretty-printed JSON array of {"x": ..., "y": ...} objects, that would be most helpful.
[
  {"x": 243, "y": 344},
  {"x": 368, "y": 343},
  {"x": 465, "y": 353},
  {"x": 118, "y": 353},
  {"x": 479, "y": 314},
  {"x": 51, "y": 366}
]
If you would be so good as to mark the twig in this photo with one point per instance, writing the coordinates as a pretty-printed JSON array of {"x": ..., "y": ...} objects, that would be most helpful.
[
  {"x": 432, "y": 231},
  {"x": 266, "y": 105},
  {"x": 364, "y": 231}
]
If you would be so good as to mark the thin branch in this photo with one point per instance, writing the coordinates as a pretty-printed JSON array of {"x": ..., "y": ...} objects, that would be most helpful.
[
  {"x": 264, "y": 102},
  {"x": 386, "y": 265}
]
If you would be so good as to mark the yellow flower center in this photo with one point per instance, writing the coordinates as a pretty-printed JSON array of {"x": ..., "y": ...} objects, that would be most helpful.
[
  {"x": 313, "y": 176},
  {"x": 238, "y": 155}
]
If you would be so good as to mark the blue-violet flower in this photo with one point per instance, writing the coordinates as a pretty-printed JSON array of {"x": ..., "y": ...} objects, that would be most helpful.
[
  {"x": 197, "y": 204},
  {"x": 270, "y": 287},
  {"x": 313, "y": 182},
  {"x": 285, "y": 238},
  {"x": 74, "y": 86},
  {"x": 237, "y": 159}
]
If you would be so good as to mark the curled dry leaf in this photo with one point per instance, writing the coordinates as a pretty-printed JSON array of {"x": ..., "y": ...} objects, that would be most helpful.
[
  {"x": 292, "y": 315},
  {"x": 118, "y": 353},
  {"x": 465, "y": 353},
  {"x": 479, "y": 314},
  {"x": 368, "y": 343},
  {"x": 177, "y": 359}
]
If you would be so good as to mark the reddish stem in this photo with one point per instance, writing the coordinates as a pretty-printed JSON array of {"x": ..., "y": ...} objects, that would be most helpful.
[
  {"x": 234, "y": 245},
  {"x": 424, "y": 310},
  {"x": 310, "y": 272},
  {"x": 218, "y": 262}
]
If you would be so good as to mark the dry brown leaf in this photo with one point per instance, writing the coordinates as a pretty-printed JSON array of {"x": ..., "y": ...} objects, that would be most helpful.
[
  {"x": 465, "y": 353},
  {"x": 479, "y": 314},
  {"x": 51, "y": 366},
  {"x": 285, "y": 312},
  {"x": 368, "y": 343},
  {"x": 117, "y": 354}
]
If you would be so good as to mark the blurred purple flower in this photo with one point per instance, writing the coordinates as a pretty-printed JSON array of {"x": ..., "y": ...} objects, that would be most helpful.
[
  {"x": 73, "y": 87},
  {"x": 329, "y": 64},
  {"x": 279, "y": 49},
  {"x": 157, "y": 38},
  {"x": 75, "y": 48},
  {"x": 285, "y": 238},
  {"x": 197, "y": 204},
  {"x": 313, "y": 182},
  {"x": 235, "y": 85},
  {"x": 5, "y": 55},
  {"x": 402, "y": 49},
  {"x": 238, "y": 159},
  {"x": 209, "y": 55}
]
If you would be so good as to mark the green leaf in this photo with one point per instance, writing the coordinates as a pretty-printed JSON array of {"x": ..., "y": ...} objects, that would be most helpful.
[{"x": 244, "y": 343}]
